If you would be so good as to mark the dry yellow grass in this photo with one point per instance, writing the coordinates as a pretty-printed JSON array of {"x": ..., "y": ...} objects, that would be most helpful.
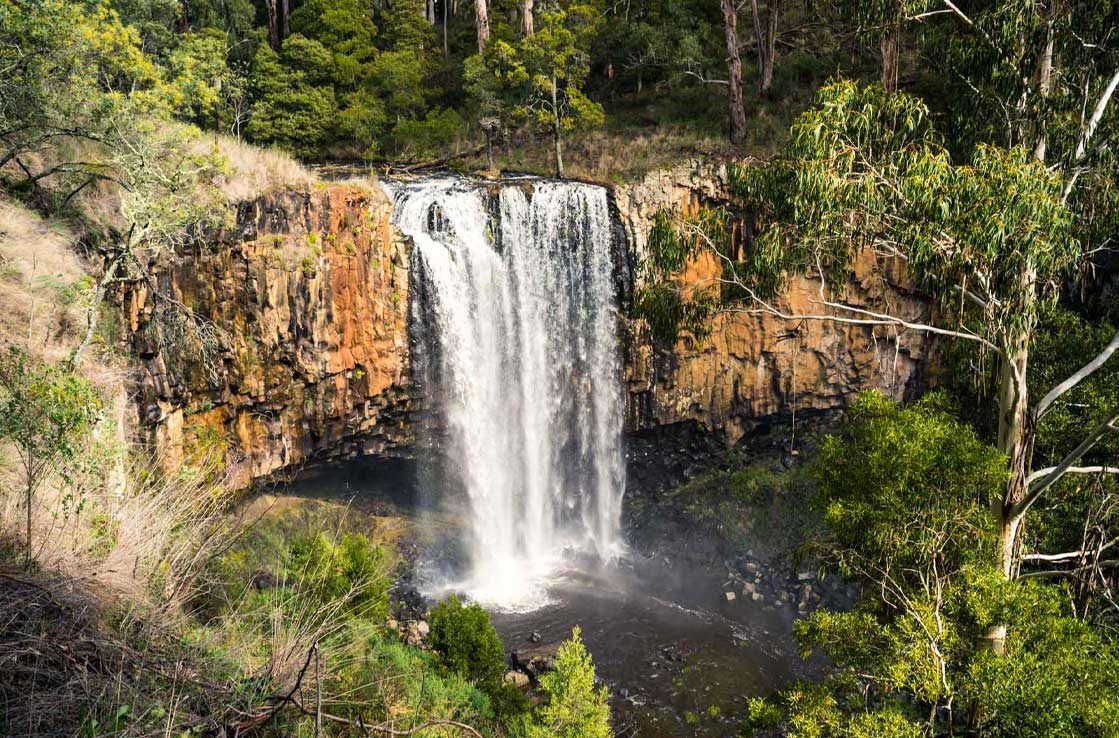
[
  {"x": 606, "y": 156},
  {"x": 41, "y": 278},
  {"x": 252, "y": 171}
]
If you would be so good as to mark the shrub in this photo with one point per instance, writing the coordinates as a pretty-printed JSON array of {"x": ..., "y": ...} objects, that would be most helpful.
[
  {"x": 351, "y": 570},
  {"x": 575, "y": 708},
  {"x": 467, "y": 642},
  {"x": 469, "y": 646}
]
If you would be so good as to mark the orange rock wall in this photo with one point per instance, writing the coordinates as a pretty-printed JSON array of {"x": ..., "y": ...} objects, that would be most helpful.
[
  {"x": 755, "y": 366},
  {"x": 310, "y": 293}
]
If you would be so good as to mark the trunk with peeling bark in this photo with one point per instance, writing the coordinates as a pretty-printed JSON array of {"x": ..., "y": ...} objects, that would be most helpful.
[
  {"x": 1015, "y": 432},
  {"x": 482, "y": 21},
  {"x": 526, "y": 18},
  {"x": 888, "y": 48},
  {"x": 765, "y": 31},
  {"x": 1015, "y": 441},
  {"x": 734, "y": 73}
]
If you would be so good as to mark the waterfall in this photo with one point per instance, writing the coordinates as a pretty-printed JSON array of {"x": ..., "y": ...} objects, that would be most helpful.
[{"x": 515, "y": 343}]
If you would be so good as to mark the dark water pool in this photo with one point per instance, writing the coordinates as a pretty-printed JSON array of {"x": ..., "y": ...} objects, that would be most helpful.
[{"x": 678, "y": 657}]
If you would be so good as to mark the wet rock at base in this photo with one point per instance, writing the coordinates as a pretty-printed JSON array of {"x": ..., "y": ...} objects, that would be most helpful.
[
  {"x": 416, "y": 633},
  {"x": 536, "y": 661},
  {"x": 518, "y": 679}
]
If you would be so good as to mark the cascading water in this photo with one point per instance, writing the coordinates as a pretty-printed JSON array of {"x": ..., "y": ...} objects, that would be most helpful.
[{"x": 515, "y": 327}]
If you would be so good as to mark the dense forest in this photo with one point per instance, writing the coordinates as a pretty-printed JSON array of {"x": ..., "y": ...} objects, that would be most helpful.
[{"x": 971, "y": 147}]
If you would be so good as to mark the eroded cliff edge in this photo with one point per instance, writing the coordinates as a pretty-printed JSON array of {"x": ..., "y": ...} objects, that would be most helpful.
[
  {"x": 755, "y": 368},
  {"x": 309, "y": 292}
]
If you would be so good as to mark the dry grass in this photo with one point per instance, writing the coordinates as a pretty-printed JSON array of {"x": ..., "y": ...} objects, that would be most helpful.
[
  {"x": 120, "y": 525},
  {"x": 93, "y": 629},
  {"x": 40, "y": 280},
  {"x": 252, "y": 171},
  {"x": 606, "y": 156}
]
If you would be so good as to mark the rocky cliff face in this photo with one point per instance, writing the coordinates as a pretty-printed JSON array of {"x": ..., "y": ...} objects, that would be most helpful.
[
  {"x": 755, "y": 368},
  {"x": 309, "y": 298},
  {"x": 309, "y": 359}
]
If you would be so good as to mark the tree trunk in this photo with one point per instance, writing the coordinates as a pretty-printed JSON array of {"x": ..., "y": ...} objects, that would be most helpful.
[
  {"x": 94, "y": 309},
  {"x": 274, "y": 39},
  {"x": 526, "y": 17},
  {"x": 734, "y": 73},
  {"x": 1014, "y": 441},
  {"x": 30, "y": 469},
  {"x": 556, "y": 131},
  {"x": 285, "y": 26},
  {"x": 1015, "y": 434},
  {"x": 888, "y": 46},
  {"x": 430, "y": 14},
  {"x": 482, "y": 20},
  {"x": 766, "y": 36},
  {"x": 446, "y": 48},
  {"x": 1045, "y": 82}
]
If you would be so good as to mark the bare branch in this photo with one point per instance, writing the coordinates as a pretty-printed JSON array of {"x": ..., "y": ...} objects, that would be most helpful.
[
  {"x": 704, "y": 80},
  {"x": 1068, "y": 555},
  {"x": 1040, "y": 473},
  {"x": 1088, "y": 131},
  {"x": 1105, "y": 427}
]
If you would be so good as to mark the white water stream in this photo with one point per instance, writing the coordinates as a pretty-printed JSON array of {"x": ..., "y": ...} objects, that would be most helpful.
[{"x": 515, "y": 328}]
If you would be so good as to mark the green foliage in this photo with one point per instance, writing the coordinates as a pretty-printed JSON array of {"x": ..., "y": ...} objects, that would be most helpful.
[
  {"x": 384, "y": 678},
  {"x": 864, "y": 167},
  {"x": 351, "y": 570},
  {"x": 206, "y": 89},
  {"x": 892, "y": 462},
  {"x": 674, "y": 243},
  {"x": 467, "y": 641},
  {"x": 575, "y": 707},
  {"x": 295, "y": 104},
  {"x": 901, "y": 490},
  {"x": 58, "y": 61},
  {"x": 45, "y": 413},
  {"x": 344, "y": 28},
  {"x": 540, "y": 79}
]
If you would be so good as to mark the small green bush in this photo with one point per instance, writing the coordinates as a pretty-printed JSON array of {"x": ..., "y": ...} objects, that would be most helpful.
[
  {"x": 469, "y": 646},
  {"x": 575, "y": 708},
  {"x": 352, "y": 570},
  {"x": 466, "y": 641}
]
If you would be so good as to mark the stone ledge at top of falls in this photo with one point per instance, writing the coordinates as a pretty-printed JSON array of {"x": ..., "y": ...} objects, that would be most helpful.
[{"x": 311, "y": 293}]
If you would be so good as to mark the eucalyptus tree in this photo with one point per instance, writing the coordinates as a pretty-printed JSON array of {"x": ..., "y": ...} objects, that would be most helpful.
[
  {"x": 539, "y": 79},
  {"x": 988, "y": 241}
]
